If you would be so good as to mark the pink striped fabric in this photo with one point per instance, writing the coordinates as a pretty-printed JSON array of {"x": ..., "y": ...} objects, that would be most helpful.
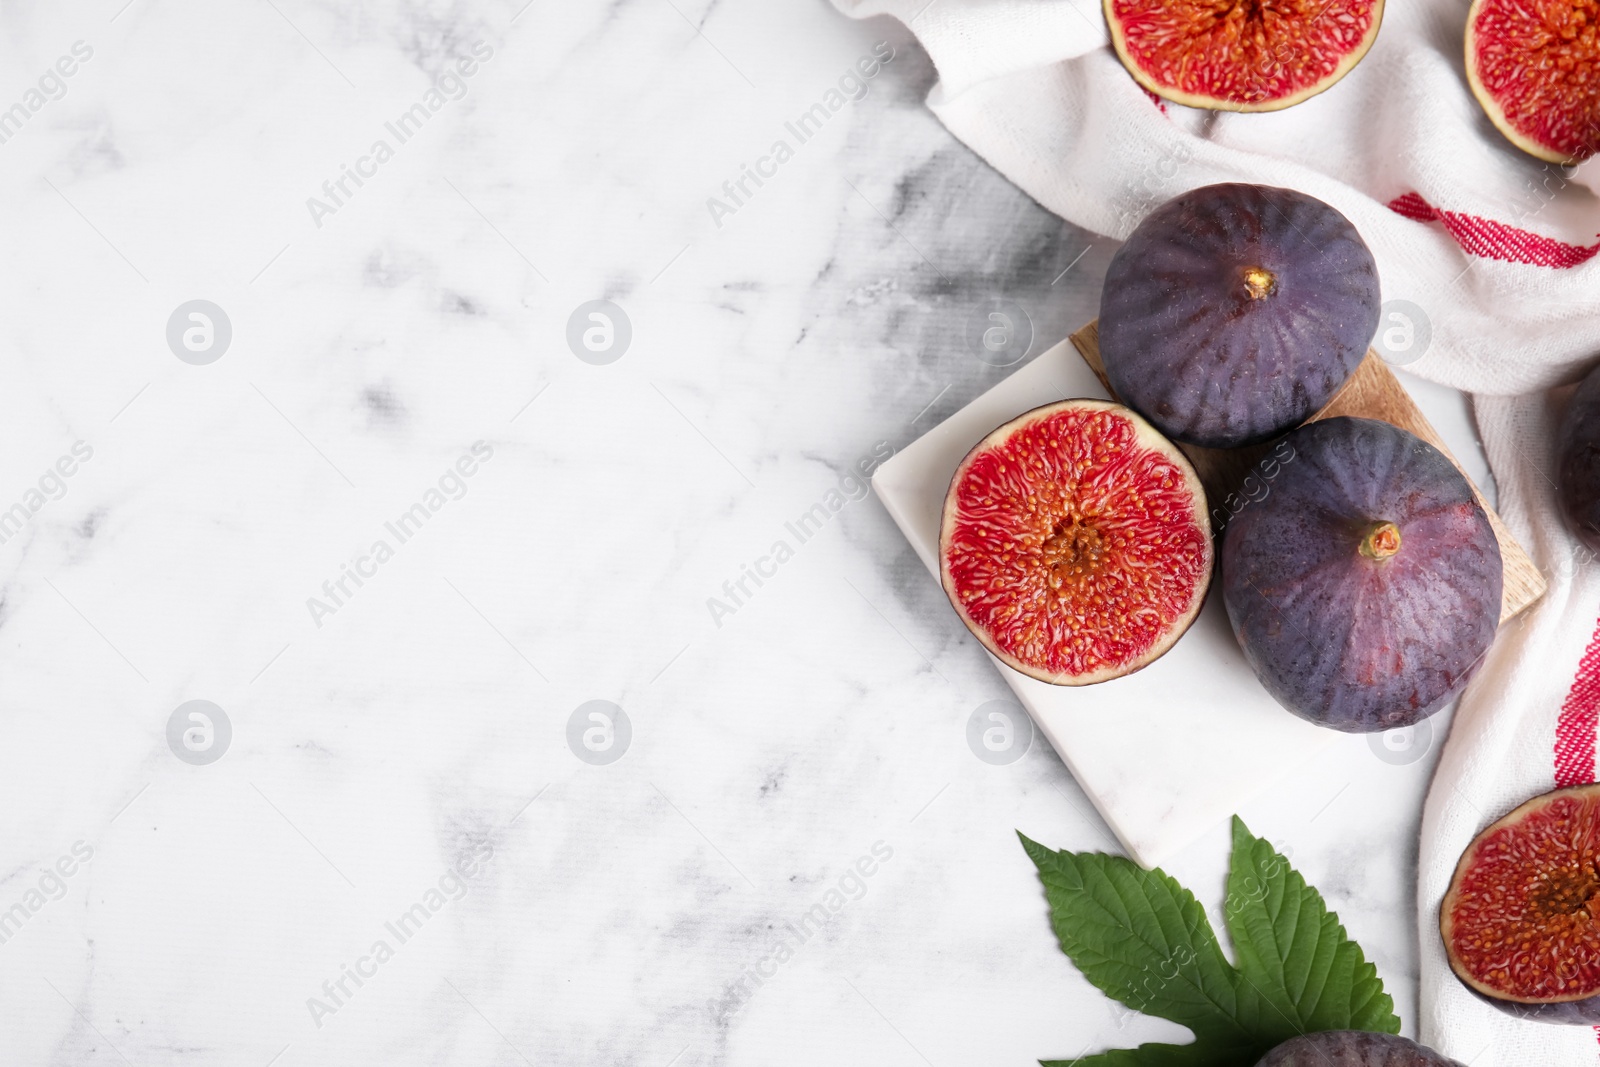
[
  {"x": 1580, "y": 716},
  {"x": 1495, "y": 240}
]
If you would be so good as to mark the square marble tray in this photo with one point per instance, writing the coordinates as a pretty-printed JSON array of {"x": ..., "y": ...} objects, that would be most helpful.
[{"x": 1171, "y": 751}]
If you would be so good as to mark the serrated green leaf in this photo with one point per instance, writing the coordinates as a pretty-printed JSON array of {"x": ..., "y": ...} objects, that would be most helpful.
[
  {"x": 1301, "y": 967},
  {"x": 1143, "y": 939},
  {"x": 1139, "y": 936}
]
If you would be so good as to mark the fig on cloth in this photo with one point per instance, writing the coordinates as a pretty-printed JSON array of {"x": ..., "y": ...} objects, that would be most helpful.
[
  {"x": 1578, "y": 462},
  {"x": 1534, "y": 65},
  {"x": 1519, "y": 920},
  {"x": 1241, "y": 55}
]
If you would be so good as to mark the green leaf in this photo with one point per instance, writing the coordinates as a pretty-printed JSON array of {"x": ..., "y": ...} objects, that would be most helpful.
[
  {"x": 1139, "y": 936},
  {"x": 1301, "y": 969},
  {"x": 1143, "y": 939}
]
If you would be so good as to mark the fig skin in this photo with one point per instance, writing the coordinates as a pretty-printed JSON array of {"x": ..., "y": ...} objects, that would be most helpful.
[
  {"x": 1365, "y": 587},
  {"x": 1234, "y": 312},
  {"x": 1578, "y": 466},
  {"x": 1354, "y": 1048},
  {"x": 1581, "y": 1012}
]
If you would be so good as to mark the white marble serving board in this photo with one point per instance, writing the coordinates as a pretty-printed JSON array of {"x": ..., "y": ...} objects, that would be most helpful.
[{"x": 1165, "y": 753}]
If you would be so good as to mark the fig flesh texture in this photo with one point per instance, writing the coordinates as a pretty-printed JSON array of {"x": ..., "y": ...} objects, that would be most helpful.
[
  {"x": 1534, "y": 65},
  {"x": 1075, "y": 542},
  {"x": 1521, "y": 920},
  {"x": 1365, "y": 587},
  {"x": 1241, "y": 55},
  {"x": 1234, "y": 312},
  {"x": 1578, "y": 462},
  {"x": 1354, "y": 1048}
]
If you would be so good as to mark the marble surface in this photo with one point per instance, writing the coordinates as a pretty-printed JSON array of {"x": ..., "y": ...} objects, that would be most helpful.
[{"x": 403, "y": 527}]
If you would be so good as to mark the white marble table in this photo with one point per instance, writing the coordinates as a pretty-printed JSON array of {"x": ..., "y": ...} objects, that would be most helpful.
[{"x": 376, "y": 509}]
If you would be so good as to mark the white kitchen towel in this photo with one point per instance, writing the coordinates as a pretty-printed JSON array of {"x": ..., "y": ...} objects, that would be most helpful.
[
  {"x": 1524, "y": 726},
  {"x": 1496, "y": 250}
]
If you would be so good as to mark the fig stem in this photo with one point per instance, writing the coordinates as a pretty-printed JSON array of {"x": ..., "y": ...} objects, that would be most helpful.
[
  {"x": 1259, "y": 282},
  {"x": 1381, "y": 541}
]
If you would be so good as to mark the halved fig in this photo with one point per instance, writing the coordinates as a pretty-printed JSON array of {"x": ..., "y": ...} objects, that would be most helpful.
[
  {"x": 1354, "y": 1048},
  {"x": 1521, "y": 921},
  {"x": 1534, "y": 65},
  {"x": 1075, "y": 542},
  {"x": 1241, "y": 55}
]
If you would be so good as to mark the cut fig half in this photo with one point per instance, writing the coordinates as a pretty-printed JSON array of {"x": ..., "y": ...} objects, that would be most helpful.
[
  {"x": 1521, "y": 921},
  {"x": 1534, "y": 65},
  {"x": 1075, "y": 542},
  {"x": 1241, "y": 55}
]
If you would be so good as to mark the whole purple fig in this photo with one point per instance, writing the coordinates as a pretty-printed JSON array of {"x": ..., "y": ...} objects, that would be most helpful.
[
  {"x": 1364, "y": 587},
  {"x": 1235, "y": 312},
  {"x": 1354, "y": 1048},
  {"x": 1578, "y": 462}
]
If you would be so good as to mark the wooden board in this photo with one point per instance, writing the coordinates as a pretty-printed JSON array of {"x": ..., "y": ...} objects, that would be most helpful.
[{"x": 1372, "y": 392}]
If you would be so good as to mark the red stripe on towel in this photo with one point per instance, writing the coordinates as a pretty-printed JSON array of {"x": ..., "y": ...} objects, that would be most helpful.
[
  {"x": 1495, "y": 240},
  {"x": 1580, "y": 715}
]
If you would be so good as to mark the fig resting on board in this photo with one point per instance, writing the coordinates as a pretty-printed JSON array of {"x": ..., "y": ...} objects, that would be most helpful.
[
  {"x": 1365, "y": 588},
  {"x": 1234, "y": 312},
  {"x": 1075, "y": 542}
]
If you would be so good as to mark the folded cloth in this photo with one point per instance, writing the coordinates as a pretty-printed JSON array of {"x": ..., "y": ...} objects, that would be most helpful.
[
  {"x": 1525, "y": 725},
  {"x": 1489, "y": 255}
]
